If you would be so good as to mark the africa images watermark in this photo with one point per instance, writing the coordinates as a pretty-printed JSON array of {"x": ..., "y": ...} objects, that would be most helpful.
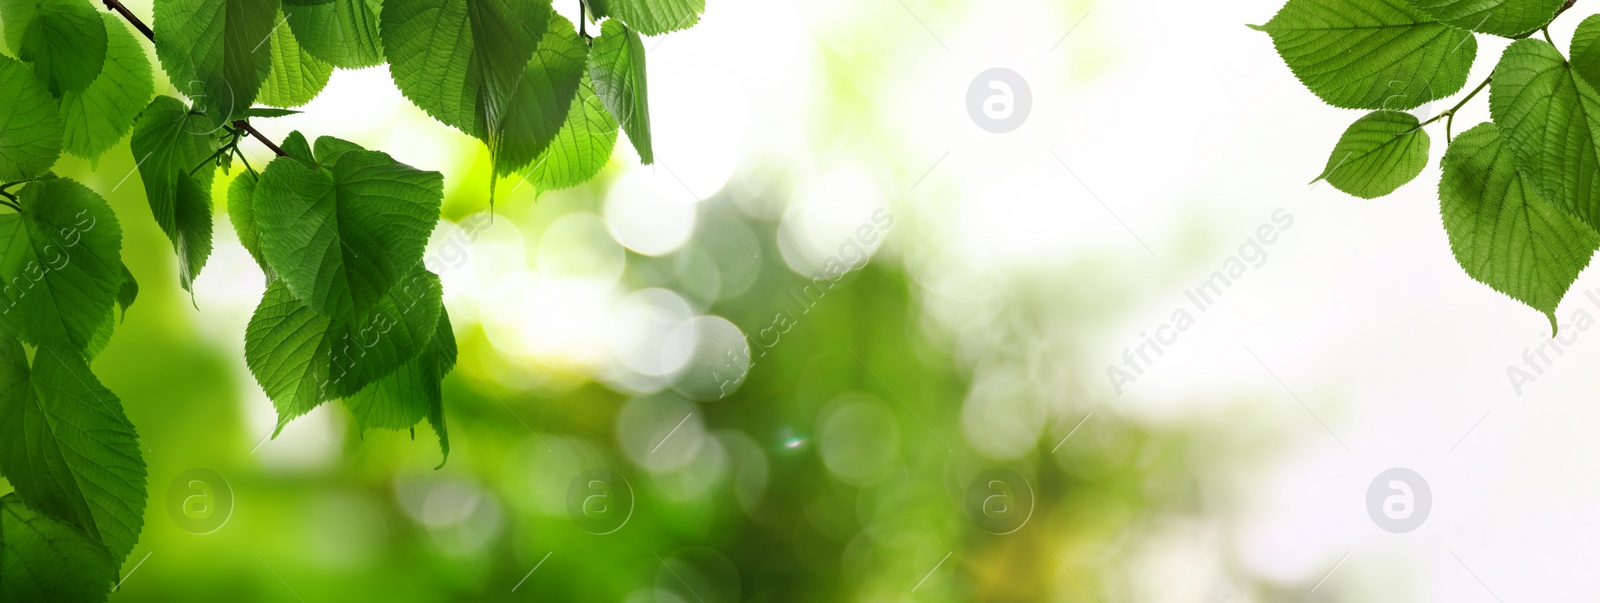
[
  {"x": 1539, "y": 359},
  {"x": 1252, "y": 255},
  {"x": 356, "y": 340},
  {"x": 852, "y": 255},
  {"x": 55, "y": 259}
]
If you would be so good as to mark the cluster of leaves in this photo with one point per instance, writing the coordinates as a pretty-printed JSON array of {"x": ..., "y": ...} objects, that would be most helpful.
[
  {"x": 1519, "y": 195},
  {"x": 349, "y": 313}
]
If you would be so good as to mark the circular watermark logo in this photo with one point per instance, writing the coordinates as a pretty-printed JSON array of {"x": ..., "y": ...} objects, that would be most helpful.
[
  {"x": 202, "y": 101},
  {"x": 600, "y": 501},
  {"x": 999, "y": 100},
  {"x": 1399, "y": 500},
  {"x": 1000, "y": 501},
  {"x": 199, "y": 500}
]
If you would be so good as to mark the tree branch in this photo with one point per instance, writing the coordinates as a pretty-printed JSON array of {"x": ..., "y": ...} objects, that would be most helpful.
[
  {"x": 127, "y": 14},
  {"x": 117, "y": 6},
  {"x": 245, "y": 125}
]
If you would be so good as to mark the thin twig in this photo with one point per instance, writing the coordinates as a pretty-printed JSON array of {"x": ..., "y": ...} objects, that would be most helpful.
[
  {"x": 245, "y": 125},
  {"x": 1452, "y": 111},
  {"x": 127, "y": 14}
]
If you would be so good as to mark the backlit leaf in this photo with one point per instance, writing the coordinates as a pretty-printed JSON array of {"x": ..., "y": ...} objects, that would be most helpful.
[
  {"x": 582, "y": 147},
  {"x": 459, "y": 60},
  {"x": 616, "y": 68},
  {"x": 1370, "y": 54},
  {"x": 42, "y": 559},
  {"x": 66, "y": 446},
  {"x": 404, "y": 398},
  {"x": 342, "y": 235},
  {"x": 169, "y": 142},
  {"x": 1381, "y": 152},
  {"x": 651, "y": 17},
  {"x": 1550, "y": 119},
  {"x": 64, "y": 40},
  {"x": 303, "y": 358},
  {"x": 242, "y": 212},
  {"x": 540, "y": 102},
  {"x": 97, "y": 117},
  {"x": 1497, "y": 17},
  {"x": 1502, "y": 232},
  {"x": 1586, "y": 50},
  {"x": 128, "y": 291},
  {"x": 60, "y": 264},
  {"x": 341, "y": 33},
  {"x": 295, "y": 78},
  {"x": 30, "y": 123},
  {"x": 209, "y": 50}
]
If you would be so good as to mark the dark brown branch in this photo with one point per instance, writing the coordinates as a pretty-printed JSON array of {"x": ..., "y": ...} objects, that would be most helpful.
[
  {"x": 245, "y": 125},
  {"x": 127, "y": 14},
  {"x": 117, "y": 6}
]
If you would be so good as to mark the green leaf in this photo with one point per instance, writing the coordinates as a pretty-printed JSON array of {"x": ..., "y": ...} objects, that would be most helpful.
[
  {"x": 1381, "y": 152},
  {"x": 1370, "y": 54},
  {"x": 1509, "y": 18},
  {"x": 209, "y": 49},
  {"x": 436, "y": 420},
  {"x": 651, "y": 17},
  {"x": 341, "y": 33},
  {"x": 68, "y": 449},
  {"x": 1550, "y": 119},
  {"x": 616, "y": 67},
  {"x": 1502, "y": 232},
  {"x": 340, "y": 237},
  {"x": 1586, "y": 50},
  {"x": 96, "y": 118},
  {"x": 60, "y": 264},
  {"x": 268, "y": 112},
  {"x": 303, "y": 358},
  {"x": 295, "y": 146},
  {"x": 30, "y": 124},
  {"x": 376, "y": 343},
  {"x": 169, "y": 142},
  {"x": 581, "y": 149},
  {"x": 404, "y": 398},
  {"x": 64, "y": 40},
  {"x": 330, "y": 149},
  {"x": 288, "y": 350},
  {"x": 102, "y": 334},
  {"x": 542, "y": 98},
  {"x": 242, "y": 212},
  {"x": 128, "y": 292},
  {"x": 296, "y": 76},
  {"x": 460, "y": 60},
  {"x": 42, "y": 559}
]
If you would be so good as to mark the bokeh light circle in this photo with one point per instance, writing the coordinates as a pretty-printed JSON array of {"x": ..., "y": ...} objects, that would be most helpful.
[{"x": 649, "y": 213}]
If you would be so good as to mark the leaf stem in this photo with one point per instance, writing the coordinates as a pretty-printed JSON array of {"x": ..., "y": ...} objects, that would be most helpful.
[
  {"x": 246, "y": 162},
  {"x": 1451, "y": 112},
  {"x": 11, "y": 201}
]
